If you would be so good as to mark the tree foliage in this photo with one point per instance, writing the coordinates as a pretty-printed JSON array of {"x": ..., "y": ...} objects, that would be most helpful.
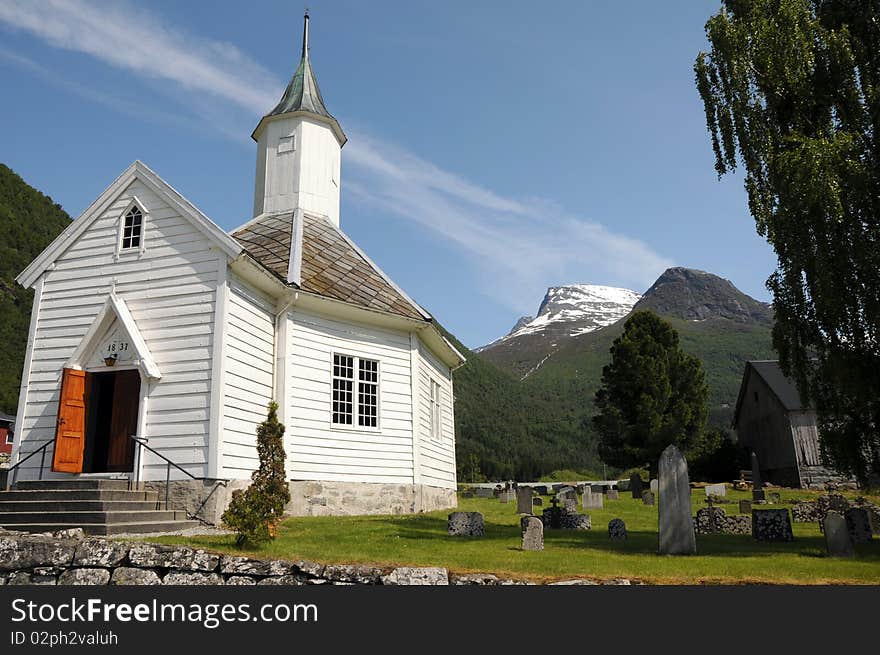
[
  {"x": 791, "y": 90},
  {"x": 653, "y": 394},
  {"x": 251, "y": 512},
  {"x": 29, "y": 221}
]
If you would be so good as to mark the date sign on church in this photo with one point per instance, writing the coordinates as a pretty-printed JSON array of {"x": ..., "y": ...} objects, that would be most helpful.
[{"x": 117, "y": 349}]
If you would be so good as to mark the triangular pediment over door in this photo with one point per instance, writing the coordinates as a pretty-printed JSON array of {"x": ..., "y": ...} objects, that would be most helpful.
[{"x": 114, "y": 337}]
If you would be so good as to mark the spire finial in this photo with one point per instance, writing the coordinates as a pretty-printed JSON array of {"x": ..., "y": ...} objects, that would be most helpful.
[{"x": 306, "y": 34}]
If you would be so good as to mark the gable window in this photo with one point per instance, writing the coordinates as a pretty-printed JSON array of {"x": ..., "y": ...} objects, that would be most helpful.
[
  {"x": 132, "y": 229},
  {"x": 435, "y": 410},
  {"x": 286, "y": 144},
  {"x": 355, "y": 391}
]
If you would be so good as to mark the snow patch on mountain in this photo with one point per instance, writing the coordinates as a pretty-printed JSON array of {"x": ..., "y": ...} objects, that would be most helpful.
[{"x": 576, "y": 309}]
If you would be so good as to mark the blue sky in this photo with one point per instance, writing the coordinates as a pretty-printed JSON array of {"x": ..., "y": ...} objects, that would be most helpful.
[{"x": 495, "y": 148}]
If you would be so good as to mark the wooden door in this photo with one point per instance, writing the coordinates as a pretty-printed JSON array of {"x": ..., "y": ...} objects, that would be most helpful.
[
  {"x": 123, "y": 420},
  {"x": 70, "y": 435}
]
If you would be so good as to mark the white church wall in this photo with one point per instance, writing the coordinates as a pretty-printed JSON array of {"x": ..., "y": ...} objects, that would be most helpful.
[
  {"x": 316, "y": 449},
  {"x": 169, "y": 289},
  {"x": 436, "y": 455},
  {"x": 247, "y": 382}
]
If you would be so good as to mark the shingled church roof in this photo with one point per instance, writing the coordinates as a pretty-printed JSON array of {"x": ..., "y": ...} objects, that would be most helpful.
[{"x": 331, "y": 264}]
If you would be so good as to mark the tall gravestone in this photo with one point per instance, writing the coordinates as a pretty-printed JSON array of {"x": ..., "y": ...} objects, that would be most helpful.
[
  {"x": 676, "y": 525},
  {"x": 635, "y": 486},
  {"x": 524, "y": 499},
  {"x": 532, "y": 529},
  {"x": 757, "y": 484},
  {"x": 837, "y": 538}
]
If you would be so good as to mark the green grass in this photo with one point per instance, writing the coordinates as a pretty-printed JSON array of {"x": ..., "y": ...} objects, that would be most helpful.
[{"x": 421, "y": 540}]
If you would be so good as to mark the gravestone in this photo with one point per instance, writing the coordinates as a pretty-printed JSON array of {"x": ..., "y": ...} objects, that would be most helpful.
[
  {"x": 467, "y": 494},
  {"x": 858, "y": 524},
  {"x": 636, "y": 486},
  {"x": 647, "y": 497},
  {"x": 553, "y": 513},
  {"x": 524, "y": 498},
  {"x": 676, "y": 525},
  {"x": 537, "y": 501},
  {"x": 506, "y": 496},
  {"x": 838, "y": 541},
  {"x": 745, "y": 507},
  {"x": 532, "y": 533},
  {"x": 654, "y": 485},
  {"x": 774, "y": 497},
  {"x": 594, "y": 501},
  {"x": 587, "y": 498},
  {"x": 566, "y": 493},
  {"x": 771, "y": 525},
  {"x": 541, "y": 489},
  {"x": 613, "y": 494},
  {"x": 757, "y": 485},
  {"x": 483, "y": 492},
  {"x": 597, "y": 488},
  {"x": 617, "y": 529},
  {"x": 716, "y": 490},
  {"x": 465, "y": 524}
]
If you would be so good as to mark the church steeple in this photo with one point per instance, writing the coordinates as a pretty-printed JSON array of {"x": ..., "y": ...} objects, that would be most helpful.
[
  {"x": 302, "y": 93},
  {"x": 299, "y": 147}
]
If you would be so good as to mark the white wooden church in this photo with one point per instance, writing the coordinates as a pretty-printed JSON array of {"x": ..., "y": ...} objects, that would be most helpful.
[{"x": 150, "y": 320}]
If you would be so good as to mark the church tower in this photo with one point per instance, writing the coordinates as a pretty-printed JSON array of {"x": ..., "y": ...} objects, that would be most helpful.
[{"x": 299, "y": 148}]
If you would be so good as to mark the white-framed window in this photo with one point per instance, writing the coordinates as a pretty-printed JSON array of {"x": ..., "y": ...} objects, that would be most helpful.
[
  {"x": 355, "y": 392},
  {"x": 435, "y": 410},
  {"x": 131, "y": 228}
]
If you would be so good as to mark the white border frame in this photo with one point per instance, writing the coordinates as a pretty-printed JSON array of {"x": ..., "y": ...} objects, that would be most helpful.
[
  {"x": 120, "y": 227},
  {"x": 355, "y": 404}
]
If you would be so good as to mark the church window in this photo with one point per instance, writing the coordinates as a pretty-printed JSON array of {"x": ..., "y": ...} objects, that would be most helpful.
[
  {"x": 435, "y": 410},
  {"x": 355, "y": 399},
  {"x": 132, "y": 229}
]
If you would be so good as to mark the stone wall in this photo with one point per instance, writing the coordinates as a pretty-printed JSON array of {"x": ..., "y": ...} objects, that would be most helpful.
[
  {"x": 68, "y": 557},
  {"x": 204, "y": 499},
  {"x": 316, "y": 498},
  {"x": 723, "y": 524}
]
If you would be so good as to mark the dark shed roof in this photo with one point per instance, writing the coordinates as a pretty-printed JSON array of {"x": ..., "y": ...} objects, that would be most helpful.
[{"x": 781, "y": 386}]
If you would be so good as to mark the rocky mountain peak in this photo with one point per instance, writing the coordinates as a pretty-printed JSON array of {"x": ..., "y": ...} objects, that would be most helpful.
[{"x": 696, "y": 295}]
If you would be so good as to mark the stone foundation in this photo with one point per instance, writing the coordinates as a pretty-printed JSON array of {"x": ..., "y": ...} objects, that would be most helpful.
[
  {"x": 317, "y": 498},
  {"x": 196, "y": 497}
]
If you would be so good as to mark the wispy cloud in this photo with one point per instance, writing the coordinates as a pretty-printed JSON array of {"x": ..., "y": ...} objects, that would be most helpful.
[{"x": 517, "y": 245}]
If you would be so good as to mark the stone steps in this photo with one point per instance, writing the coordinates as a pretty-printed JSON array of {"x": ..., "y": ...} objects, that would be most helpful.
[{"x": 99, "y": 506}]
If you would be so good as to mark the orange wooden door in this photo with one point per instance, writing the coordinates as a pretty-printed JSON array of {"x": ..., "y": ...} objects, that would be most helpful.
[{"x": 70, "y": 436}]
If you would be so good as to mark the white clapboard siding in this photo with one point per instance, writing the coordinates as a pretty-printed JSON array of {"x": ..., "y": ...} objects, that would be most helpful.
[
  {"x": 436, "y": 456},
  {"x": 170, "y": 290},
  {"x": 247, "y": 383},
  {"x": 316, "y": 450}
]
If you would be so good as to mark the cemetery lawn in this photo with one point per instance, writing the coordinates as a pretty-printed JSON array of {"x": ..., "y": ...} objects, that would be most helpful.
[{"x": 421, "y": 540}]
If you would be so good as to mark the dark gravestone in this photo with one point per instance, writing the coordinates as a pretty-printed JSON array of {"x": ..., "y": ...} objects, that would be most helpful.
[
  {"x": 566, "y": 493},
  {"x": 676, "y": 525},
  {"x": 771, "y": 525},
  {"x": 532, "y": 529},
  {"x": 757, "y": 485},
  {"x": 647, "y": 497},
  {"x": 774, "y": 497},
  {"x": 859, "y": 525},
  {"x": 597, "y": 488},
  {"x": 524, "y": 499},
  {"x": 838, "y": 541},
  {"x": 483, "y": 492},
  {"x": 613, "y": 494},
  {"x": 555, "y": 514},
  {"x": 541, "y": 490},
  {"x": 617, "y": 529},
  {"x": 636, "y": 486},
  {"x": 465, "y": 524},
  {"x": 745, "y": 507},
  {"x": 538, "y": 502}
]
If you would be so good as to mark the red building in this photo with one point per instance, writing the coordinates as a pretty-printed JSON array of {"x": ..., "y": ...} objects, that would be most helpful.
[{"x": 7, "y": 430}]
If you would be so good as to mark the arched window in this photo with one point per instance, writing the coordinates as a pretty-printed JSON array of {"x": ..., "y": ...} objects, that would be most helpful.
[{"x": 132, "y": 229}]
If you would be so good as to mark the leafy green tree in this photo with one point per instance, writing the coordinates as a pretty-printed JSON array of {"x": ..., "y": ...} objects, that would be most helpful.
[
  {"x": 653, "y": 394},
  {"x": 251, "y": 512},
  {"x": 791, "y": 90}
]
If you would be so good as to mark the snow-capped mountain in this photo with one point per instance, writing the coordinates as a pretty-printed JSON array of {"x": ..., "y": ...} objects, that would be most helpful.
[{"x": 574, "y": 309}]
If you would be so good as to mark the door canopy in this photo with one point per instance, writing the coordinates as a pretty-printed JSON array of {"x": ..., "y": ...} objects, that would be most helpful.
[{"x": 114, "y": 337}]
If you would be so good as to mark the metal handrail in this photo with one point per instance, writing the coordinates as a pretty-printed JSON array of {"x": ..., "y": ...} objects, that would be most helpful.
[
  {"x": 142, "y": 443},
  {"x": 14, "y": 469}
]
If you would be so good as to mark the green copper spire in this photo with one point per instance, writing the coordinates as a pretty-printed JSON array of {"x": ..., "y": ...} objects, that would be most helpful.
[{"x": 302, "y": 93}]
